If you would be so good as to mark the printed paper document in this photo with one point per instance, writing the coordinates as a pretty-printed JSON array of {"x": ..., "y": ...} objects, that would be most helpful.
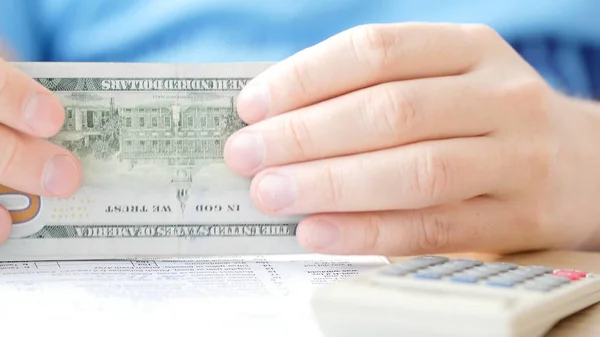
[{"x": 221, "y": 296}]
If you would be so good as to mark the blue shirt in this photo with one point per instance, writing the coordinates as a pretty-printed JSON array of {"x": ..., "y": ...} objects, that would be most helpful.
[{"x": 560, "y": 38}]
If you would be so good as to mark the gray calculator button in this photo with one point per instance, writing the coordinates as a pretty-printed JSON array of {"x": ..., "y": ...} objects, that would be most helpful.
[
  {"x": 500, "y": 266},
  {"x": 419, "y": 264},
  {"x": 410, "y": 266},
  {"x": 539, "y": 287},
  {"x": 428, "y": 276},
  {"x": 480, "y": 272},
  {"x": 472, "y": 274},
  {"x": 510, "y": 277},
  {"x": 522, "y": 271},
  {"x": 461, "y": 278},
  {"x": 468, "y": 263},
  {"x": 482, "y": 275},
  {"x": 539, "y": 270},
  {"x": 551, "y": 280},
  {"x": 429, "y": 260},
  {"x": 522, "y": 274},
  {"x": 529, "y": 272},
  {"x": 459, "y": 265},
  {"x": 442, "y": 270},
  {"x": 501, "y": 283}
]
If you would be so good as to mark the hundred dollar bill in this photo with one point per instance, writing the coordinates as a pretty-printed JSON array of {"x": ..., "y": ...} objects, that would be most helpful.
[{"x": 150, "y": 139}]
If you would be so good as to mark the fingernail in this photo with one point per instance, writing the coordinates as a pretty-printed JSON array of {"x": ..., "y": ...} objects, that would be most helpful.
[
  {"x": 253, "y": 103},
  {"x": 245, "y": 152},
  {"x": 322, "y": 234},
  {"x": 39, "y": 116},
  {"x": 60, "y": 175},
  {"x": 276, "y": 191}
]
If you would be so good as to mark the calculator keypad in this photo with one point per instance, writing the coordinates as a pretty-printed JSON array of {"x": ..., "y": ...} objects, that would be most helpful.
[{"x": 492, "y": 274}]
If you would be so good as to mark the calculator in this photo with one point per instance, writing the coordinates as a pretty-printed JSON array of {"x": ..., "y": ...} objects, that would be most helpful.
[{"x": 434, "y": 296}]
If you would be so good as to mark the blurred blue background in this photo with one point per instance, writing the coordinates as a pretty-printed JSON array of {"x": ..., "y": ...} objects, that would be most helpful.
[{"x": 560, "y": 38}]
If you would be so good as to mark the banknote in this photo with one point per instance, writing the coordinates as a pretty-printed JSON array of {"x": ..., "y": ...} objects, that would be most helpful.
[{"x": 150, "y": 140}]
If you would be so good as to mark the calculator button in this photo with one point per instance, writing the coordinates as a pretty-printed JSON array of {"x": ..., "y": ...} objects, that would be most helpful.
[
  {"x": 539, "y": 287},
  {"x": 470, "y": 262},
  {"x": 428, "y": 260},
  {"x": 500, "y": 266},
  {"x": 512, "y": 277},
  {"x": 470, "y": 274},
  {"x": 552, "y": 280},
  {"x": 540, "y": 269},
  {"x": 571, "y": 275},
  {"x": 419, "y": 263},
  {"x": 520, "y": 274},
  {"x": 442, "y": 270},
  {"x": 459, "y": 265},
  {"x": 464, "y": 279},
  {"x": 533, "y": 271},
  {"x": 506, "y": 283},
  {"x": 525, "y": 273},
  {"x": 546, "y": 283},
  {"x": 412, "y": 265},
  {"x": 428, "y": 276},
  {"x": 480, "y": 272},
  {"x": 578, "y": 272}
]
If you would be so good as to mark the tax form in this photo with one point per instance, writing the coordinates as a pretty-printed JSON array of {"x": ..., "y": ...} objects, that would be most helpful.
[{"x": 213, "y": 296}]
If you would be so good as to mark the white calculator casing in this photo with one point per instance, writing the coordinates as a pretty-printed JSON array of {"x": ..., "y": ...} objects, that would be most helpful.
[{"x": 386, "y": 303}]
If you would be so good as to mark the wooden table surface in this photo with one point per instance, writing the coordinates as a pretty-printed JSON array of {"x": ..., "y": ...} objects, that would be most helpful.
[{"x": 583, "y": 324}]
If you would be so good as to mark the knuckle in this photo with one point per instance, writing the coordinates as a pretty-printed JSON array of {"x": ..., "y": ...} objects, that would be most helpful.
[
  {"x": 526, "y": 89},
  {"x": 301, "y": 141},
  {"x": 432, "y": 233},
  {"x": 331, "y": 187},
  {"x": 482, "y": 41},
  {"x": 431, "y": 175},
  {"x": 392, "y": 113},
  {"x": 371, "y": 44},
  {"x": 480, "y": 32},
  {"x": 530, "y": 100},
  {"x": 10, "y": 149},
  {"x": 530, "y": 97},
  {"x": 534, "y": 92}
]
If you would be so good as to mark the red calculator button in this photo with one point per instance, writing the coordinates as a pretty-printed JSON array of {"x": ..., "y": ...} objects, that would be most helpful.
[
  {"x": 578, "y": 272},
  {"x": 573, "y": 275}
]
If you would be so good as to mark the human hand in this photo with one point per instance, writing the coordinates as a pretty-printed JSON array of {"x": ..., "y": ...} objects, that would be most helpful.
[
  {"x": 28, "y": 163},
  {"x": 408, "y": 139}
]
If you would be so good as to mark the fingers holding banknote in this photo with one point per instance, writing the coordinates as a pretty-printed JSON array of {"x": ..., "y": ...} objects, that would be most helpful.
[
  {"x": 26, "y": 105},
  {"x": 418, "y": 138},
  {"x": 28, "y": 114}
]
